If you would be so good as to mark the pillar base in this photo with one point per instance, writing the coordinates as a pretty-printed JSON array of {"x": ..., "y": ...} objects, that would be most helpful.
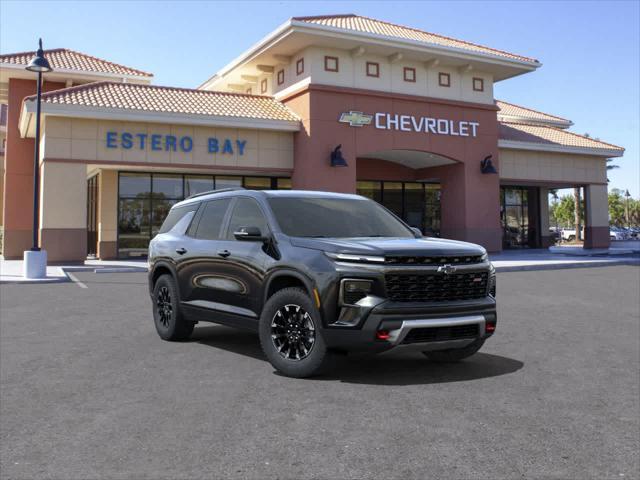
[
  {"x": 65, "y": 244},
  {"x": 597, "y": 237},
  {"x": 35, "y": 264}
]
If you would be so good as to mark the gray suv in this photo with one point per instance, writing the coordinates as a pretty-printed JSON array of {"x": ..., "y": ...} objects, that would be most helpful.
[{"x": 318, "y": 274}]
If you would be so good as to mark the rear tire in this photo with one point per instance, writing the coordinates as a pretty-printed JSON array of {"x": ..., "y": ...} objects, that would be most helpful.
[
  {"x": 167, "y": 317},
  {"x": 454, "y": 354},
  {"x": 290, "y": 335}
]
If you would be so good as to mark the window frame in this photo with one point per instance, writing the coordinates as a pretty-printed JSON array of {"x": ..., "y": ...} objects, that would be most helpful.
[
  {"x": 280, "y": 76},
  {"x": 480, "y": 81},
  {"x": 377, "y": 67},
  {"x": 300, "y": 66},
  {"x": 264, "y": 85},
  {"x": 229, "y": 216},
  {"x": 407, "y": 70},
  {"x": 442, "y": 82},
  {"x": 327, "y": 59}
]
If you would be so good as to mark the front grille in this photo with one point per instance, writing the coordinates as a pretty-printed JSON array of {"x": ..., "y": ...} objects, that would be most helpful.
[
  {"x": 418, "y": 260},
  {"x": 436, "y": 287},
  {"x": 441, "y": 334}
]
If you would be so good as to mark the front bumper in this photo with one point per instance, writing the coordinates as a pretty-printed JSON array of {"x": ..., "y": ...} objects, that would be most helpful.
[{"x": 441, "y": 327}]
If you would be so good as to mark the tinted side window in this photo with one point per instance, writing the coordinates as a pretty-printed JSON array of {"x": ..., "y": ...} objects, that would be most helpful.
[
  {"x": 211, "y": 219},
  {"x": 246, "y": 213},
  {"x": 175, "y": 215}
]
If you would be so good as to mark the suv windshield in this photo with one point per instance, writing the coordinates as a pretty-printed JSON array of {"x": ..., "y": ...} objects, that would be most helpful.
[{"x": 335, "y": 217}]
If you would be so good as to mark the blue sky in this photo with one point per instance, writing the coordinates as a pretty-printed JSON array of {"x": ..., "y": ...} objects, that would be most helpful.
[{"x": 589, "y": 50}]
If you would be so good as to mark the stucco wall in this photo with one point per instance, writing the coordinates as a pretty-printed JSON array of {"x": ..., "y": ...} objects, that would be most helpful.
[
  {"x": 85, "y": 140},
  {"x": 551, "y": 167}
]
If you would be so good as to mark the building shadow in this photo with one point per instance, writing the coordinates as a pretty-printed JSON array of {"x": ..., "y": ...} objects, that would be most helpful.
[{"x": 392, "y": 368}]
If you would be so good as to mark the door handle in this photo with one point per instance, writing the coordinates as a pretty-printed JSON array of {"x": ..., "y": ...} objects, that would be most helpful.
[
  {"x": 224, "y": 253},
  {"x": 181, "y": 251}
]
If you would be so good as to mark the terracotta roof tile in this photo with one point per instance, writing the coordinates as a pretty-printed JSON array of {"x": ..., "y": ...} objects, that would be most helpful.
[
  {"x": 379, "y": 27},
  {"x": 513, "y": 110},
  {"x": 152, "y": 98},
  {"x": 517, "y": 132},
  {"x": 65, "y": 59}
]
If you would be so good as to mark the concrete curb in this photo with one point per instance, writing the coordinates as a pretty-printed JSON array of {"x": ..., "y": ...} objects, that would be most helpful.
[{"x": 566, "y": 266}]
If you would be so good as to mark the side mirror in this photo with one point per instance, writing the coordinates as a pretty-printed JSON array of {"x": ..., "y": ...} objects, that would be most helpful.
[
  {"x": 416, "y": 232},
  {"x": 249, "y": 234}
]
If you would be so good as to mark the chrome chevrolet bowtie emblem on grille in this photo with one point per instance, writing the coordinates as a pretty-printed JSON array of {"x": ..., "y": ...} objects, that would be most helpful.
[
  {"x": 446, "y": 269},
  {"x": 355, "y": 119}
]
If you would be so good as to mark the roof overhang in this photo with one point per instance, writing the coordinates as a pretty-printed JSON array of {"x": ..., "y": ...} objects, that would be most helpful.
[
  {"x": 532, "y": 121},
  {"x": 294, "y": 35},
  {"x": 27, "y": 118},
  {"x": 555, "y": 148},
  {"x": 13, "y": 70}
]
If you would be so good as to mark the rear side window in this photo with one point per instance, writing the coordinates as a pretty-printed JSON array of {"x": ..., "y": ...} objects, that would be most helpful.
[
  {"x": 211, "y": 219},
  {"x": 175, "y": 215},
  {"x": 246, "y": 213}
]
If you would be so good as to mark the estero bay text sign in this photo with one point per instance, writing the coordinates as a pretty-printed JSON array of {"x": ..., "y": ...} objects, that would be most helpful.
[{"x": 171, "y": 143}]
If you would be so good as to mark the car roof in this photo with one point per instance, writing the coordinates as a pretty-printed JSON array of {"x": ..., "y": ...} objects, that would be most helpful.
[{"x": 234, "y": 192}]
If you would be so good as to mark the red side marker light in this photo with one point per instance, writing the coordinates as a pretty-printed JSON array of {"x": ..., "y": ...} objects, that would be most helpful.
[
  {"x": 382, "y": 335},
  {"x": 490, "y": 327}
]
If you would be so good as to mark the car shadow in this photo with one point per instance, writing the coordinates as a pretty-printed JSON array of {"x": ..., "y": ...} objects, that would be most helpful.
[{"x": 398, "y": 367}]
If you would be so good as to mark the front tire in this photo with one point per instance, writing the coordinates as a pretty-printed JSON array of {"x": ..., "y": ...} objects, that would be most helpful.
[
  {"x": 455, "y": 354},
  {"x": 290, "y": 337},
  {"x": 167, "y": 317}
]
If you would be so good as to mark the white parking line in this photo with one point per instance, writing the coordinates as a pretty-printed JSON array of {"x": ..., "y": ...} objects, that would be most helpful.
[{"x": 75, "y": 280}]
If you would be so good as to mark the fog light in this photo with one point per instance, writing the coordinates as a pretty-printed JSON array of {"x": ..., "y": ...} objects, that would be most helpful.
[
  {"x": 353, "y": 290},
  {"x": 382, "y": 335},
  {"x": 490, "y": 327}
]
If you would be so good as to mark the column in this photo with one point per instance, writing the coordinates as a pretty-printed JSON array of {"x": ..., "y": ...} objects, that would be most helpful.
[
  {"x": 107, "y": 214},
  {"x": 596, "y": 216},
  {"x": 63, "y": 211},
  {"x": 546, "y": 240}
]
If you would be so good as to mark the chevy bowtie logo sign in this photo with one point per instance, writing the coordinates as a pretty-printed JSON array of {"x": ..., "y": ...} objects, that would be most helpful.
[
  {"x": 447, "y": 269},
  {"x": 355, "y": 119}
]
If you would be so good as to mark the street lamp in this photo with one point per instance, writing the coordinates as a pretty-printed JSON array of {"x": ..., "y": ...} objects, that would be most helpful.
[
  {"x": 626, "y": 207},
  {"x": 35, "y": 260}
]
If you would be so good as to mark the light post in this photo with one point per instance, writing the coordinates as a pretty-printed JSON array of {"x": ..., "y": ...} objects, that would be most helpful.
[
  {"x": 35, "y": 260},
  {"x": 626, "y": 208},
  {"x": 555, "y": 208}
]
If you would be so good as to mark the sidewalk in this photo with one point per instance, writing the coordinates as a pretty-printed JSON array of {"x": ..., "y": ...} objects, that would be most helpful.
[{"x": 506, "y": 261}]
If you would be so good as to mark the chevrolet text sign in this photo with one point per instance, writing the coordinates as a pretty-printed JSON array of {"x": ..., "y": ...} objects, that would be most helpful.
[{"x": 410, "y": 123}]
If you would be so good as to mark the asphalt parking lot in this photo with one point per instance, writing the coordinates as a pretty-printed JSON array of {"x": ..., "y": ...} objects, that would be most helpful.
[{"x": 88, "y": 390}]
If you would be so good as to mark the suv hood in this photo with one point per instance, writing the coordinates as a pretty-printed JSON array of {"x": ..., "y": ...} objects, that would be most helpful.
[{"x": 390, "y": 246}]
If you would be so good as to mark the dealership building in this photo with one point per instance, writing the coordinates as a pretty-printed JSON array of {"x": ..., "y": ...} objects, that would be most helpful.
[{"x": 339, "y": 103}]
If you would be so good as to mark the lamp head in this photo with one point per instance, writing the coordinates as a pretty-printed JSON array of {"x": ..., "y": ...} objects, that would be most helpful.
[
  {"x": 337, "y": 160},
  {"x": 39, "y": 62}
]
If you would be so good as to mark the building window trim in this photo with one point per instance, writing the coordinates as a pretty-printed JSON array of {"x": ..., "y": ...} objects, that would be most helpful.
[
  {"x": 280, "y": 76},
  {"x": 444, "y": 79},
  {"x": 328, "y": 60},
  {"x": 248, "y": 91},
  {"x": 478, "y": 84},
  {"x": 373, "y": 69},
  {"x": 409, "y": 74},
  {"x": 263, "y": 86},
  {"x": 300, "y": 66}
]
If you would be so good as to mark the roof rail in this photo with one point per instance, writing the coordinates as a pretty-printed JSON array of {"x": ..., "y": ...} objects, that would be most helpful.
[{"x": 209, "y": 192}]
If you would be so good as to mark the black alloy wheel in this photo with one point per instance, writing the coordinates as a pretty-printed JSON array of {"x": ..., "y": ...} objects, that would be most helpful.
[{"x": 293, "y": 332}]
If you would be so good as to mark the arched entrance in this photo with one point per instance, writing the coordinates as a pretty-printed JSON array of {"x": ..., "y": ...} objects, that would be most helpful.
[{"x": 407, "y": 183}]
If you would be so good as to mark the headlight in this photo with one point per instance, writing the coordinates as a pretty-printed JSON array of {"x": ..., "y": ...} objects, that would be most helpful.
[
  {"x": 351, "y": 257},
  {"x": 352, "y": 290},
  {"x": 492, "y": 284},
  {"x": 484, "y": 257}
]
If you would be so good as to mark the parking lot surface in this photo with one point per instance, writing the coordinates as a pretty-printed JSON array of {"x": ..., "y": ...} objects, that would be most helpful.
[{"x": 88, "y": 390}]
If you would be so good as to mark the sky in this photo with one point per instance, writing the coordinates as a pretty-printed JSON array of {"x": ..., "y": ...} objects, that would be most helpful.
[{"x": 590, "y": 51}]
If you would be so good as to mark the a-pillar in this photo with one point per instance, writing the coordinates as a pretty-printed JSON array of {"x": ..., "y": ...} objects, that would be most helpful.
[
  {"x": 107, "y": 214},
  {"x": 63, "y": 211},
  {"x": 596, "y": 216},
  {"x": 546, "y": 240}
]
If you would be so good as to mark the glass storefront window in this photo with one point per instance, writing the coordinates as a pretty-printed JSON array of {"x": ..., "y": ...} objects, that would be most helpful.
[
  {"x": 519, "y": 219},
  {"x": 228, "y": 182},
  {"x": 284, "y": 184},
  {"x": 372, "y": 190},
  {"x": 413, "y": 204},
  {"x": 167, "y": 186},
  {"x": 196, "y": 184},
  {"x": 392, "y": 197},
  {"x": 145, "y": 200},
  {"x": 257, "y": 183},
  {"x": 135, "y": 184}
]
